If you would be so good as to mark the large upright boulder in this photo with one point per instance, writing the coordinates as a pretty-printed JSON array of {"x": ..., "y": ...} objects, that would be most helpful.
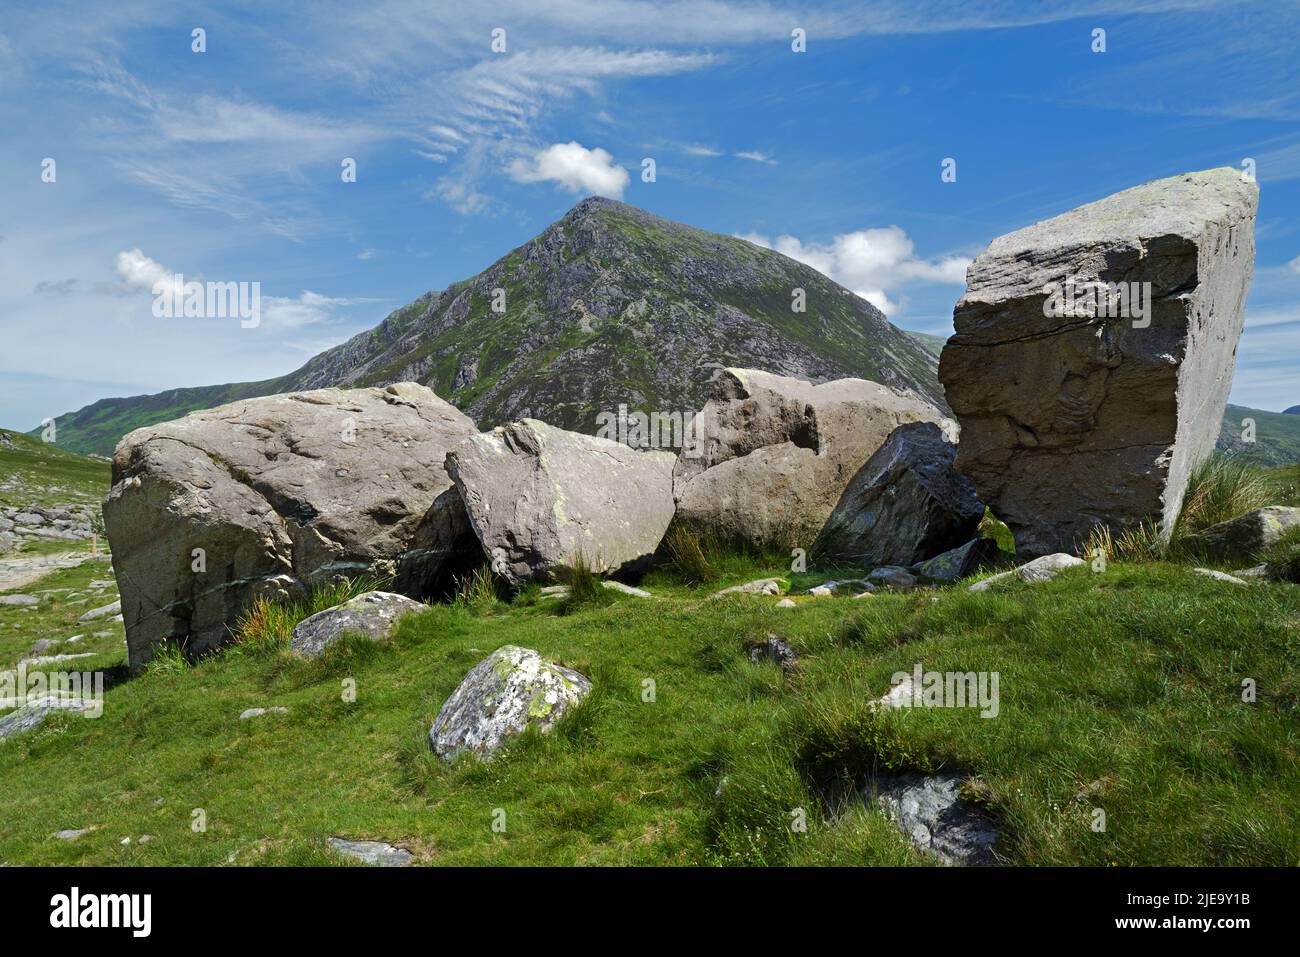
[
  {"x": 768, "y": 456},
  {"x": 541, "y": 499},
  {"x": 270, "y": 496},
  {"x": 906, "y": 504},
  {"x": 1072, "y": 418}
]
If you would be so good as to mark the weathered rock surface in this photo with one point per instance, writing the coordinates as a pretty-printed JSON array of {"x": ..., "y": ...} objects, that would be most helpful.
[
  {"x": 892, "y": 576},
  {"x": 280, "y": 493},
  {"x": 371, "y": 614},
  {"x": 772, "y": 455},
  {"x": 760, "y": 586},
  {"x": 1220, "y": 576},
  {"x": 774, "y": 649},
  {"x": 1039, "y": 570},
  {"x": 906, "y": 504},
  {"x": 1081, "y": 419},
  {"x": 539, "y": 498},
  {"x": 377, "y": 853},
  {"x": 1246, "y": 535},
  {"x": 959, "y": 562},
  {"x": 500, "y": 697},
  {"x": 932, "y": 813},
  {"x": 32, "y": 714}
]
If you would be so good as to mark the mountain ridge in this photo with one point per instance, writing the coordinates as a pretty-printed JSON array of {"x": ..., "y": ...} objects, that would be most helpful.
[{"x": 610, "y": 305}]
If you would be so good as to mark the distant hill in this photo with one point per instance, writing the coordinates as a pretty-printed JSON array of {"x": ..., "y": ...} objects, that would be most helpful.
[
  {"x": 1277, "y": 435},
  {"x": 1294, "y": 410},
  {"x": 609, "y": 305}
]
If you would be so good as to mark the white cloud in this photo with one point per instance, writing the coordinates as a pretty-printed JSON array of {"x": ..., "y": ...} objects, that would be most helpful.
[
  {"x": 757, "y": 156},
  {"x": 1295, "y": 265},
  {"x": 693, "y": 150},
  {"x": 574, "y": 167},
  {"x": 139, "y": 271},
  {"x": 875, "y": 263}
]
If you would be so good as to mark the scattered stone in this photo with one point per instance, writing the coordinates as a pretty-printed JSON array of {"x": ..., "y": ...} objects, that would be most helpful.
[
  {"x": 1039, "y": 570},
  {"x": 54, "y": 659},
  {"x": 103, "y": 612},
  {"x": 1076, "y": 416},
  {"x": 258, "y": 712},
  {"x": 1246, "y": 535},
  {"x": 1219, "y": 576},
  {"x": 761, "y": 586},
  {"x": 33, "y": 713},
  {"x": 540, "y": 499},
  {"x": 626, "y": 589},
  {"x": 376, "y": 853},
  {"x": 72, "y": 834},
  {"x": 892, "y": 576},
  {"x": 904, "y": 505},
  {"x": 282, "y": 493},
  {"x": 19, "y": 600},
  {"x": 371, "y": 614},
  {"x": 958, "y": 563},
  {"x": 930, "y": 810},
  {"x": 786, "y": 603},
  {"x": 1257, "y": 571},
  {"x": 774, "y": 649},
  {"x": 501, "y": 696},
  {"x": 42, "y": 645},
  {"x": 768, "y": 456},
  {"x": 145, "y": 838}
]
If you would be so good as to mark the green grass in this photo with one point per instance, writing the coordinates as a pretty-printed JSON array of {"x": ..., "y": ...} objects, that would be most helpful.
[
  {"x": 1131, "y": 678},
  {"x": 40, "y": 473}
]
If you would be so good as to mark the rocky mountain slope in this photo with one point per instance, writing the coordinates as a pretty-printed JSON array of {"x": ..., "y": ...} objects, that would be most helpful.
[{"x": 611, "y": 305}]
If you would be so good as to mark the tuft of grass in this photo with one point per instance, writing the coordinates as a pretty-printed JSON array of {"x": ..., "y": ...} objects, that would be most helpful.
[
  {"x": 585, "y": 588},
  {"x": 1141, "y": 543},
  {"x": 1220, "y": 488},
  {"x": 1283, "y": 557},
  {"x": 690, "y": 553},
  {"x": 480, "y": 591}
]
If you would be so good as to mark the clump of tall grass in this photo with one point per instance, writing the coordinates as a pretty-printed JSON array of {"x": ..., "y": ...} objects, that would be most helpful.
[
  {"x": 1139, "y": 543},
  {"x": 266, "y": 626},
  {"x": 691, "y": 555},
  {"x": 479, "y": 591},
  {"x": 1220, "y": 488}
]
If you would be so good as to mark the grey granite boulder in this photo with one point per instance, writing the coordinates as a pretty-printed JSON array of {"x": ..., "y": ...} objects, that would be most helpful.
[
  {"x": 1077, "y": 408},
  {"x": 32, "y": 714},
  {"x": 500, "y": 697},
  {"x": 960, "y": 561},
  {"x": 376, "y": 853},
  {"x": 771, "y": 455},
  {"x": 371, "y": 614},
  {"x": 541, "y": 498},
  {"x": 280, "y": 493},
  {"x": 1246, "y": 535},
  {"x": 906, "y": 504}
]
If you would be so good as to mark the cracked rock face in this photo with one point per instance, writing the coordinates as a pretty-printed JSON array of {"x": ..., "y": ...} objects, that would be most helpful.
[
  {"x": 906, "y": 504},
  {"x": 774, "y": 453},
  {"x": 280, "y": 493},
  {"x": 500, "y": 697},
  {"x": 1081, "y": 419},
  {"x": 539, "y": 497}
]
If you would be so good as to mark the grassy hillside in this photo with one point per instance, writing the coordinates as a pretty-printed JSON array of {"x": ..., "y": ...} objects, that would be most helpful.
[
  {"x": 33, "y": 472},
  {"x": 1138, "y": 713},
  {"x": 1277, "y": 435}
]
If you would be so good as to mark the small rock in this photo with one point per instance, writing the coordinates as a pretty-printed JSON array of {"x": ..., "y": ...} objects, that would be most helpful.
[
  {"x": 892, "y": 576},
  {"x": 372, "y": 614},
  {"x": 774, "y": 649},
  {"x": 21, "y": 600},
  {"x": 145, "y": 839},
  {"x": 1039, "y": 570},
  {"x": 786, "y": 603},
  {"x": 373, "y": 852},
  {"x": 32, "y": 714},
  {"x": 626, "y": 589},
  {"x": 761, "y": 586},
  {"x": 501, "y": 696},
  {"x": 1257, "y": 571},
  {"x": 935, "y": 817},
  {"x": 959, "y": 562},
  {"x": 72, "y": 834},
  {"x": 258, "y": 712},
  {"x": 1219, "y": 576},
  {"x": 104, "y": 612}
]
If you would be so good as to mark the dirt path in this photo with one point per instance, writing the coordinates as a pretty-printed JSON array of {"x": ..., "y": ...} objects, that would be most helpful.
[{"x": 19, "y": 571}]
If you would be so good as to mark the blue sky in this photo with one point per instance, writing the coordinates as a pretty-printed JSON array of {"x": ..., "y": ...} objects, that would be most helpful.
[{"x": 225, "y": 165}]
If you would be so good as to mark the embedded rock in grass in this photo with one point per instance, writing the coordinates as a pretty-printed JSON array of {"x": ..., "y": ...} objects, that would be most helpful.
[
  {"x": 104, "y": 611},
  {"x": 501, "y": 696},
  {"x": 277, "y": 494},
  {"x": 1246, "y": 535},
  {"x": 1073, "y": 416},
  {"x": 891, "y": 576},
  {"x": 1219, "y": 576},
  {"x": 373, "y": 852},
  {"x": 19, "y": 600},
  {"x": 258, "y": 712},
  {"x": 935, "y": 817},
  {"x": 32, "y": 714},
  {"x": 773, "y": 649},
  {"x": 541, "y": 499},
  {"x": 760, "y": 586},
  {"x": 371, "y": 614},
  {"x": 768, "y": 456},
  {"x": 1039, "y": 570},
  {"x": 906, "y": 504},
  {"x": 959, "y": 562}
]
